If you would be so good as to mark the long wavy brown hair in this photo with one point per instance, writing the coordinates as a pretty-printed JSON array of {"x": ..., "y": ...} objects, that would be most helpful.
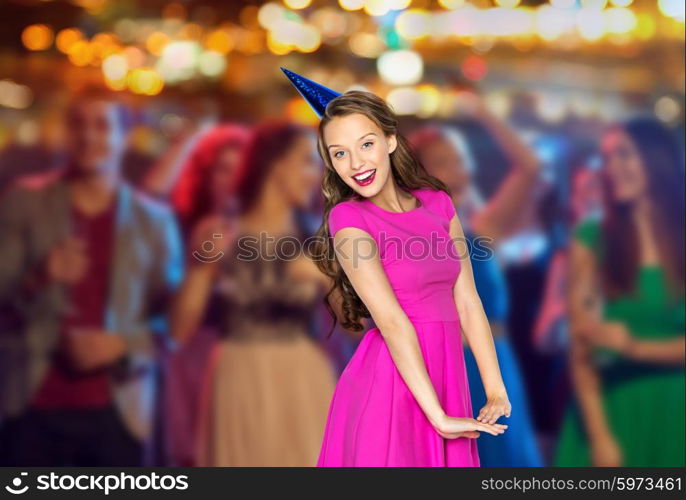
[
  {"x": 408, "y": 174},
  {"x": 663, "y": 163}
]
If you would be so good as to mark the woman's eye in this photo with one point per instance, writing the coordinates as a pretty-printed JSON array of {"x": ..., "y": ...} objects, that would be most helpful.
[
  {"x": 339, "y": 154},
  {"x": 367, "y": 144}
]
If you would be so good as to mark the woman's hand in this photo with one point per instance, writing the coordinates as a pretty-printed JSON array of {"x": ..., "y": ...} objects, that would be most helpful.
[
  {"x": 613, "y": 335},
  {"x": 605, "y": 452},
  {"x": 456, "y": 427},
  {"x": 495, "y": 407}
]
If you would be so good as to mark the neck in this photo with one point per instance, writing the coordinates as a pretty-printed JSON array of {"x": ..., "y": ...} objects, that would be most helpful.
[
  {"x": 272, "y": 212},
  {"x": 641, "y": 212},
  {"x": 92, "y": 192},
  {"x": 642, "y": 215},
  {"x": 390, "y": 198}
]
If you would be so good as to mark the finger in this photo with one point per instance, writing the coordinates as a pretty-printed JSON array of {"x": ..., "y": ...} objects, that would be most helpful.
[
  {"x": 488, "y": 428},
  {"x": 495, "y": 429},
  {"x": 482, "y": 413},
  {"x": 500, "y": 411},
  {"x": 486, "y": 411},
  {"x": 491, "y": 417},
  {"x": 490, "y": 431}
]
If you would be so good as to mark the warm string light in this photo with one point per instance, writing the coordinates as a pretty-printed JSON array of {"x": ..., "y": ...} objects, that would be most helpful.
[{"x": 175, "y": 49}]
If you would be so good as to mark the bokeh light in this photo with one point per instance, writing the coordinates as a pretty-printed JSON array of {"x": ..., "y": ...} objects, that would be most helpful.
[
  {"x": 115, "y": 67},
  {"x": 66, "y": 38},
  {"x": 667, "y": 109},
  {"x": 451, "y": 4},
  {"x": 37, "y": 37},
  {"x": 15, "y": 95},
  {"x": 673, "y": 8},
  {"x": 413, "y": 24},
  {"x": 211, "y": 63},
  {"x": 297, "y": 4},
  {"x": 351, "y": 4},
  {"x": 80, "y": 53},
  {"x": 404, "y": 100},
  {"x": 508, "y": 4},
  {"x": 219, "y": 41},
  {"x": 156, "y": 42},
  {"x": 474, "y": 68},
  {"x": 400, "y": 67},
  {"x": 145, "y": 81},
  {"x": 367, "y": 45}
]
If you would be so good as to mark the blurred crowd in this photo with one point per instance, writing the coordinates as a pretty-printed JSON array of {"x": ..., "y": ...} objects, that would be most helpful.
[{"x": 131, "y": 332}]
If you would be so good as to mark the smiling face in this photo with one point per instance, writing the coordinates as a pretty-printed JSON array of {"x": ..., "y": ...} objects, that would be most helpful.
[
  {"x": 359, "y": 151},
  {"x": 623, "y": 166}
]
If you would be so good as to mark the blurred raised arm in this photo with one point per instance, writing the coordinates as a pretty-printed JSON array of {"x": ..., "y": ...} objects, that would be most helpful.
[{"x": 505, "y": 206}]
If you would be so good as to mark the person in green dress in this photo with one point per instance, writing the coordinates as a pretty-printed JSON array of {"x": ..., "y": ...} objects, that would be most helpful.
[{"x": 626, "y": 309}]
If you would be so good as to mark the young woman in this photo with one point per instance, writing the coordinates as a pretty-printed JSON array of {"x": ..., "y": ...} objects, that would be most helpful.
[
  {"x": 396, "y": 243},
  {"x": 626, "y": 309},
  {"x": 445, "y": 154},
  {"x": 268, "y": 384}
]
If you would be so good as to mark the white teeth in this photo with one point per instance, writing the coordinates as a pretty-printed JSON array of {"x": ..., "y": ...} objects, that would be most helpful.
[{"x": 365, "y": 176}]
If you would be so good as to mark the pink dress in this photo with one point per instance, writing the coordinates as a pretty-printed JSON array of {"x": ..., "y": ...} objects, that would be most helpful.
[{"x": 374, "y": 420}]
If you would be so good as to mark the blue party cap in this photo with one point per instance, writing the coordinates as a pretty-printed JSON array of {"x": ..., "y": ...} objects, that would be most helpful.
[{"x": 318, "y": 96}]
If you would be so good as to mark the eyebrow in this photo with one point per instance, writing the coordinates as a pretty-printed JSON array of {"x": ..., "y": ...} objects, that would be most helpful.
[{"x": 338, "y": 145}]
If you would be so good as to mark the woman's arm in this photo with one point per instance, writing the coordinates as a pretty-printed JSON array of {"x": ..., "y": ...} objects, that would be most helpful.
[
  {"x": 505, "y": 206},
  {"x": 554, "y": 303},
  {"x": 163, "y": 174},
  {"x": 660, "y": 351},
  {"x": 583, "y": 310},
  {"x": 477, "y": 331},
  {"x": 359, "y": 257},
  {"x": 190, "y": 302},
  {"x": 616, "y": 336}
]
